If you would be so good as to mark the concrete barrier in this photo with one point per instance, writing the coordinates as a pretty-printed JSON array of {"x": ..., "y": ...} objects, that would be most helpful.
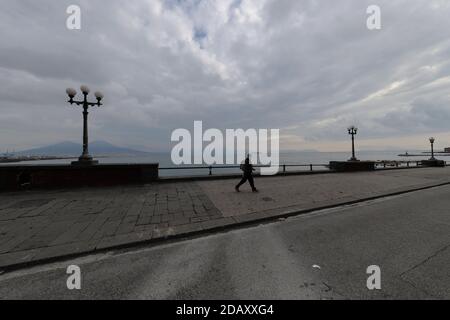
[
  {"x": 55, "y": 176},
  {"x": 352, "y": 165},
  {"x": 433, "y": 163}
]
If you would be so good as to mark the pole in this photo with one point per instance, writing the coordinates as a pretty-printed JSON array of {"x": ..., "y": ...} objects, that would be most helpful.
[
  {"x": 85, "y": 133},
  {"x": 85, "y": 155},
  {"x": 353, "y": 146}
]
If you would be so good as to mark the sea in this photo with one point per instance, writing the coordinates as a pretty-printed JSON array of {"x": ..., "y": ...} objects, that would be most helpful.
[{"x": 305, "y": 158}]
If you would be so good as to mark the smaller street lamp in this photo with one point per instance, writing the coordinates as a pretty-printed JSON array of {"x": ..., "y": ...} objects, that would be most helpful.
[
  {"x": 432, "y": 148},
  {"x": 352, "y": 130}
]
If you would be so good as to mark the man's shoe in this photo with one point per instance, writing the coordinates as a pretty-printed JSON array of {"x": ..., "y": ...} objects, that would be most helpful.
[{"x": 255, "y": 190}]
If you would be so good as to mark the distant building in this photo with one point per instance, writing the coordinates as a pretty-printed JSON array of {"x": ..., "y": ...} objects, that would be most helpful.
[{"x": 447, "y": 150}]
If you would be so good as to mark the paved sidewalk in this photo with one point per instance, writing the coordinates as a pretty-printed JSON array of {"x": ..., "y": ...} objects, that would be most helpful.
[{"x": 39, "y": 225}]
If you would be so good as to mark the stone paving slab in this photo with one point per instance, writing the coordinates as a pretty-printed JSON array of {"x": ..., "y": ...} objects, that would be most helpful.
[{"x": 39, "y": 225}]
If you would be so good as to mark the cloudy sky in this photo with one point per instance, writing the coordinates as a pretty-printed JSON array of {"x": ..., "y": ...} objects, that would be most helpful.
[{"x": 309, "y": 68}]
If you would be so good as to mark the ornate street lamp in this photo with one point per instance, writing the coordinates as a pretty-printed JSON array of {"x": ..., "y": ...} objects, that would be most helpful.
[
  {"x": 85, "y": 158},
  {"x": 352, "y": 131},
  {"x": 432, "y": 148}
]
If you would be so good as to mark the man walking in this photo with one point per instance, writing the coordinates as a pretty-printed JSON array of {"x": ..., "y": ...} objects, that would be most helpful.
[{"x": 248, "y": 169}]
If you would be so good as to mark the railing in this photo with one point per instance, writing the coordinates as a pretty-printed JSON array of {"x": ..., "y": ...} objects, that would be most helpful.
[
  {"x": 285, "y": 168},
  {"x": 399, "y": 164},
  {"x": 282, "y": 168}
]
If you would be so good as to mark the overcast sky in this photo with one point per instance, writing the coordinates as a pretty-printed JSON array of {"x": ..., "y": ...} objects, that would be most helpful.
[{"x": 309, "y": 68}]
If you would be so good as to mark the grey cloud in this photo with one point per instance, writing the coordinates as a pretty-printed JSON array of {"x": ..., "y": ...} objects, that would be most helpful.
[{"x": 306, "y": 67}]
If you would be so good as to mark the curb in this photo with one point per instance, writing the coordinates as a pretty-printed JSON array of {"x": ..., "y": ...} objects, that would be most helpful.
[
  {"x": 279, "y": 174},
  {"x": 208, "y": 231}
]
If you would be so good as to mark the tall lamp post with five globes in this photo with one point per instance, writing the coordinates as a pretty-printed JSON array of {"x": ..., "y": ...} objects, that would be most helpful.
[{"x": 85, "y": 158}]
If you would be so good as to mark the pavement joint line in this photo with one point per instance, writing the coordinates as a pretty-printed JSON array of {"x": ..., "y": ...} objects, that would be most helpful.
[
  {"x": 213, "y": 230},
  {"x": 433, "y": 255}
]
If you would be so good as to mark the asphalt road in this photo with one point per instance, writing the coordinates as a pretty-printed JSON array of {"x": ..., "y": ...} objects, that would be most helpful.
[{"x": 323, "y": 255}]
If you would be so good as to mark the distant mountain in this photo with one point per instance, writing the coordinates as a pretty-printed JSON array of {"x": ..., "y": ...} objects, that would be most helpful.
[{"x": 68, "y": 148}]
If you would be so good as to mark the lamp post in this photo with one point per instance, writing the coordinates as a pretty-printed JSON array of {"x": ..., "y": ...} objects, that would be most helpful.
[
  {"x": 353, "y": 131},
  {"x": 432, "y": 148},
  {"x": 85, "y": 158}
]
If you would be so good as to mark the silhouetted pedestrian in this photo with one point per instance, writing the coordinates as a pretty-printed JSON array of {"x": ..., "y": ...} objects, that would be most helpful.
[{"x": 247, "y": 169}]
